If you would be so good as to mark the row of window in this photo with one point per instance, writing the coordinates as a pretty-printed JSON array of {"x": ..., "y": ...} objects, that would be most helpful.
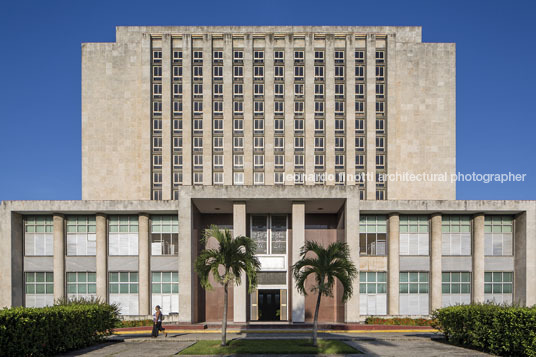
[
  {"x": 81, "y": 235},
  {"x": 414, "y": 235}
]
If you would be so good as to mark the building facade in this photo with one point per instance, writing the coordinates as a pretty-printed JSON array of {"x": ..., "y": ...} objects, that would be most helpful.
[{"x": 284, "y": 134}]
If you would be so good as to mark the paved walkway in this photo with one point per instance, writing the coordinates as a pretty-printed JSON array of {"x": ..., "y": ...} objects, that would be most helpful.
[{"x": 371, "y": 344}]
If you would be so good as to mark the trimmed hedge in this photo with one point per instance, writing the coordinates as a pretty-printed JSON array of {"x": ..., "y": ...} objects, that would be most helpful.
[
  {"x": 498, "y": 329},
  {"x": 56, "y": 329},
  {"x": 399, "y": 321}
]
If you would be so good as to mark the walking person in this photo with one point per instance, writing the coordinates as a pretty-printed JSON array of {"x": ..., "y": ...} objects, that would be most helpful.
[{"x": 158, "y": 316}]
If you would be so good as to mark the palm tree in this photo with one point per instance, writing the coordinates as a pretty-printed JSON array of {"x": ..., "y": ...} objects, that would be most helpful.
[
  {"x": 226, "y": 264},
  {"x": 330, "y": 263}
]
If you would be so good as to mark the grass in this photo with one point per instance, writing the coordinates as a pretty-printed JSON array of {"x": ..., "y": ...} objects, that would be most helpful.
[{"x": 212, "y": 347}]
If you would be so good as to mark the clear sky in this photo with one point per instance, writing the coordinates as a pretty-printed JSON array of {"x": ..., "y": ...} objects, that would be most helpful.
[{"x": 40, "y": 116}]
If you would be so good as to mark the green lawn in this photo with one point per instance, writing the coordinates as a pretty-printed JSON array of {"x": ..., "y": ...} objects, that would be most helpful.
[{"x": 212, "y": 347}]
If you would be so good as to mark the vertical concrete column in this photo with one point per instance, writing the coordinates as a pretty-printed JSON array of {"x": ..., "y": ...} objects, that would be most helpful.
[
  {"x": 370, "y": 122},
  {"x": 298, "y": 240},
  {"x": 207, "y": 110},
  {"x": 166, "y": 117},
  {"x": 102, "y": 257},
  {"x": 393, "y": 264},
  {"x": 309, "y": 119},
  {"x": 227, "y": 109},
  {"x": 350, "y": 109},
  {"x": 435, "y": 262},
  {"x": 351, "y": 230},
  {"x": 525, "y": 258},
  {"x": 240, "y": 291},
  {"x": 59, "y": 256},
  {"x": 186, "y": 259},
  {"x": 330, "y": 109},
  {"x": 478, "y": 257},
  {"x": 144, "y": 265},
  {"x": 248, "y": 110},
  {"x": 269, "y": 111},
  {"x": 187, "y": 109},
  {"x": 289, "y": 109}
]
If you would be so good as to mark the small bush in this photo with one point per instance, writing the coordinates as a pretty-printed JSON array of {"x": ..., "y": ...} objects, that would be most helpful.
[
  {"x": 398, "y": 321},
  {"x": 134, "y": 323},
  {"x": 56, "y": 329},
  {"x": 498, "y": 329}
]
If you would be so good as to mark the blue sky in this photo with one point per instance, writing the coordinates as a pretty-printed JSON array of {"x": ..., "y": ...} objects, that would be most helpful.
[{"x": 40, "y": 119}]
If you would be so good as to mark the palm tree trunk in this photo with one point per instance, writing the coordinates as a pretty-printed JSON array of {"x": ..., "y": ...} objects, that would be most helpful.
[
  {"x": 224, "y": 323},
  {"x": 315, "y": 324}
]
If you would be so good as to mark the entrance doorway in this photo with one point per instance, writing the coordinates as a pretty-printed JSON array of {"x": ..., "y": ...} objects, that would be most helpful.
[{"x": 269, "y": 305}]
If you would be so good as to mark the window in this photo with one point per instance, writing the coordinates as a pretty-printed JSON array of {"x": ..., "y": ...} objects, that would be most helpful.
[
  {"x": 218, "y": 72},
  {"x": 359, "y": 56},
  {"x": 298, "y": 143},
  {"x": 319, "y": 73},
  {"x": 217, "y": 55},
  {"x": 380, "y": 73},
  {"x": 278, "y": 178},
  {"x": 360, "y": 161},
  {"x": 238, "y": 89},
  {"x": 319, "y": 108},
  {"x": 157, "y": 73},
  {"x": 198, "y": 143},
  {"x": 359, "y": 107},
  {"x": 360, "y": 91},
  {"x": 380, "y": 107},
  {"x": 198, "y": 107},
  {"x": 218, "y": 107},
  {"x": 258, "y": 161},
  {"x": 359, "y": 126},
  {"x": 380, "y": 162},
  {"x": 238, "y": 107},
  {"x": 238, "y": 161},
  {"x": 339, "y": 72},
  {"x": 279, "y": 89},
  {"x": 198, "y": 72},
  {"x": 279, "y": 55},
  {"x": 218, "y": 90},
  {"x": 198, "y": 178},
  {"x": 339, "y": 108},
  {"x": 157, "y": 161},
  {"x": 372, "y": 293},
  {"x": 359, "y": 73},
  {"x": 298, "y": 89},
  {"x": 177, "y": 161},
  {"x": 165, "y": 291},
  {"x": 157, "y": 108},
  {"x": 157, "y": 56},
  {"x": 319, "y": 162},
  {"x": 298, "y": 73},
  {"x": 455, "y": 288},
  {"x": 198, "y": 89},
  {"x": 39, "y": 288},
  {"x": 360, "y": 143},
  {"x": 123, "y": 235},
  {"x": 319, "y": 55},
  {"x": 157, "y": 89},
  {"x": 414, "y": 236},
  {"x": 279, "y": 126},
  {"x": 38, "y": 235},
  {"x": 380, "y": 56},
  {"x": 177, "y": 143},
  {"x": 380, "y": 126},
  {"x": 279, "y": 161},
  {"x": 319, "y": 126},
  {"x": 339, "y": 143},
  {"x": 498, "y": 287},
  {"x": 380, "y": 90},
  {"x": 319, "y": 143},
  {"x": 279, "y": 72},
  {"x": 217, "y": 143},
  {"x": 198, "y": 162},
  {"x": 123, "y": 290},
  {"x": 279, "y": 107},
  {"x": 157, "y": 126},
  {"x": 258, "y": 143},
  {"x": 258, "y": 72},
  {"x": 380, "y": 195},
  {"x": 298, "y": 107},
  {"x": 238, "y": 125},
  {"x": 177, "y": 73},
  {"x": 380, "y": 143},
  {"x": 498, "y": 233},
  {"x": 81, "y": 235},
  {"x": 177, "y": 89},
  {"x": 218, "y": 178},
  {"x": 238, "y": 178},
  {"x": 298, "y": 56},
  {"x": 258, "y": 107},
  {"x": 270, "y": 234},
  {"x": 198, "y": 56},
  {"x": 81, "y": 285},
  {"x": 339, "y": 56},
  {"x": 238, "y": 71},
  {"x": 279, "y": 143},
  {"x": 456, "y": 235},
  {"x": 177, "y": 181},
  {"x": 238, "y": 55},
  {"x": 258, "y": 178},
  {"x": 339, "y": 162},
  {"x": 298, "y": 161},
  {"x": 238, "y": 143},
  {"x": 218, "y": 125},
  {"x": 373, "y": 235},
  {"x": 164, "y": 235},
  {"x": 413, "y": 289},
  {"x": 258, "y": 56}
]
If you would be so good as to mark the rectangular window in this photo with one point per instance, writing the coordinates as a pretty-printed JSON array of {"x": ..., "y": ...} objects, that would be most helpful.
[
  {"x": 164, "y": 235},
  {"x": 238, "y": 178},
  {"x": 339, "y": 108},
  {"x": 238, "y": 55},
  {"x": 298, "y": 107},
  {"x": 258, "y": 89},
  {"x": 238, "y": 143},
  {"x": 279, "y": 126},
  {"x": 319, "y": 162},
  {"x": 359, "y": 73},
  {"x": 279, "y": 107},
  {"x": 165, "y": 291},
  {"x": 238, "y": 107},
  {"x": 258, "y": 107},
  {"x": 177, "y": 73},
  {"x": 380, "y": 162},
  {"x": 298, "y": 161},
  {"x": 373, "y": 235},
  {"x": 81, "y": 235},
  {"x": 414, "y": 298},
  {"x": 279, "y": 161},
  {"x": 339, "y": 143},
  {"x": 270, "y": 234},
  {"x": 279, "y": 143},
  {"x": 339, "y": 163},
  {"x": 360, "y": 161},
  {"x": 177, "y": 56},
  {"x": 198, "y": 162},
  {"x": 258, "y": 161},
  {"x": 198, "y": 72},
  {"x": 319, "y": 126},
  {"x": 359, "y": 56},
  {"x": 279, "y": 89},
  {"x": 238, "y": 125},
  {"x": 339, "y": 72},
  {"x": 498, "y": 287},
  {"x": 39, "y": 289},
  {"x": 298, "y": 143},
  {"x": 456, "y": 235},
  {"x": 238, "y": 89},
  {"x": 217, "y": 126},
  {"x": 319, "y": 73},
  {"x": 258, "y": 56},
  {"x": 123, "y": 235},
  {"x": 258, "y": 178},
  {"x": 258, "y": 72},
  {"x": 319, "y": 143},
  {"x": 38, "y": 236},
  {"x": 258, "y": 143},
  {"x": 279, "y": 72},
  {"x": 319, "y": 108},
  {"x": 81, "y": 285},
  {"x": 123, "y": 289},
  {"x": 218, "y": 178},
  {"x": 278, "y": 178},
  {"x": 217, "y": 55},
  {"x": 455, "y": 288},
  {"x": 218, "y": 107},
  {"x": 217, "y": 143},
  {"x": 298, "y": 73},
  {"x": 499, "y": 235},
  {"x": 360, "y": 143},
  {"x": 279, "y": 55},
  {"x": 238, "y": 161},
  {"x": 218, "y": 72},
  {"x": 238, "y": 72},
  {"x": 414, "y": 235},
  {"x": 372, "y": 293}
]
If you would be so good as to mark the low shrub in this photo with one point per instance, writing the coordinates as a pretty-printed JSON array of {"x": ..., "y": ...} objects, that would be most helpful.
[
  {"x": 498, "y": 329},
  {"x": 398, "y": 321},
  {"x": 56, "y": 329},
  {"x": 134, "y": 323}
]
